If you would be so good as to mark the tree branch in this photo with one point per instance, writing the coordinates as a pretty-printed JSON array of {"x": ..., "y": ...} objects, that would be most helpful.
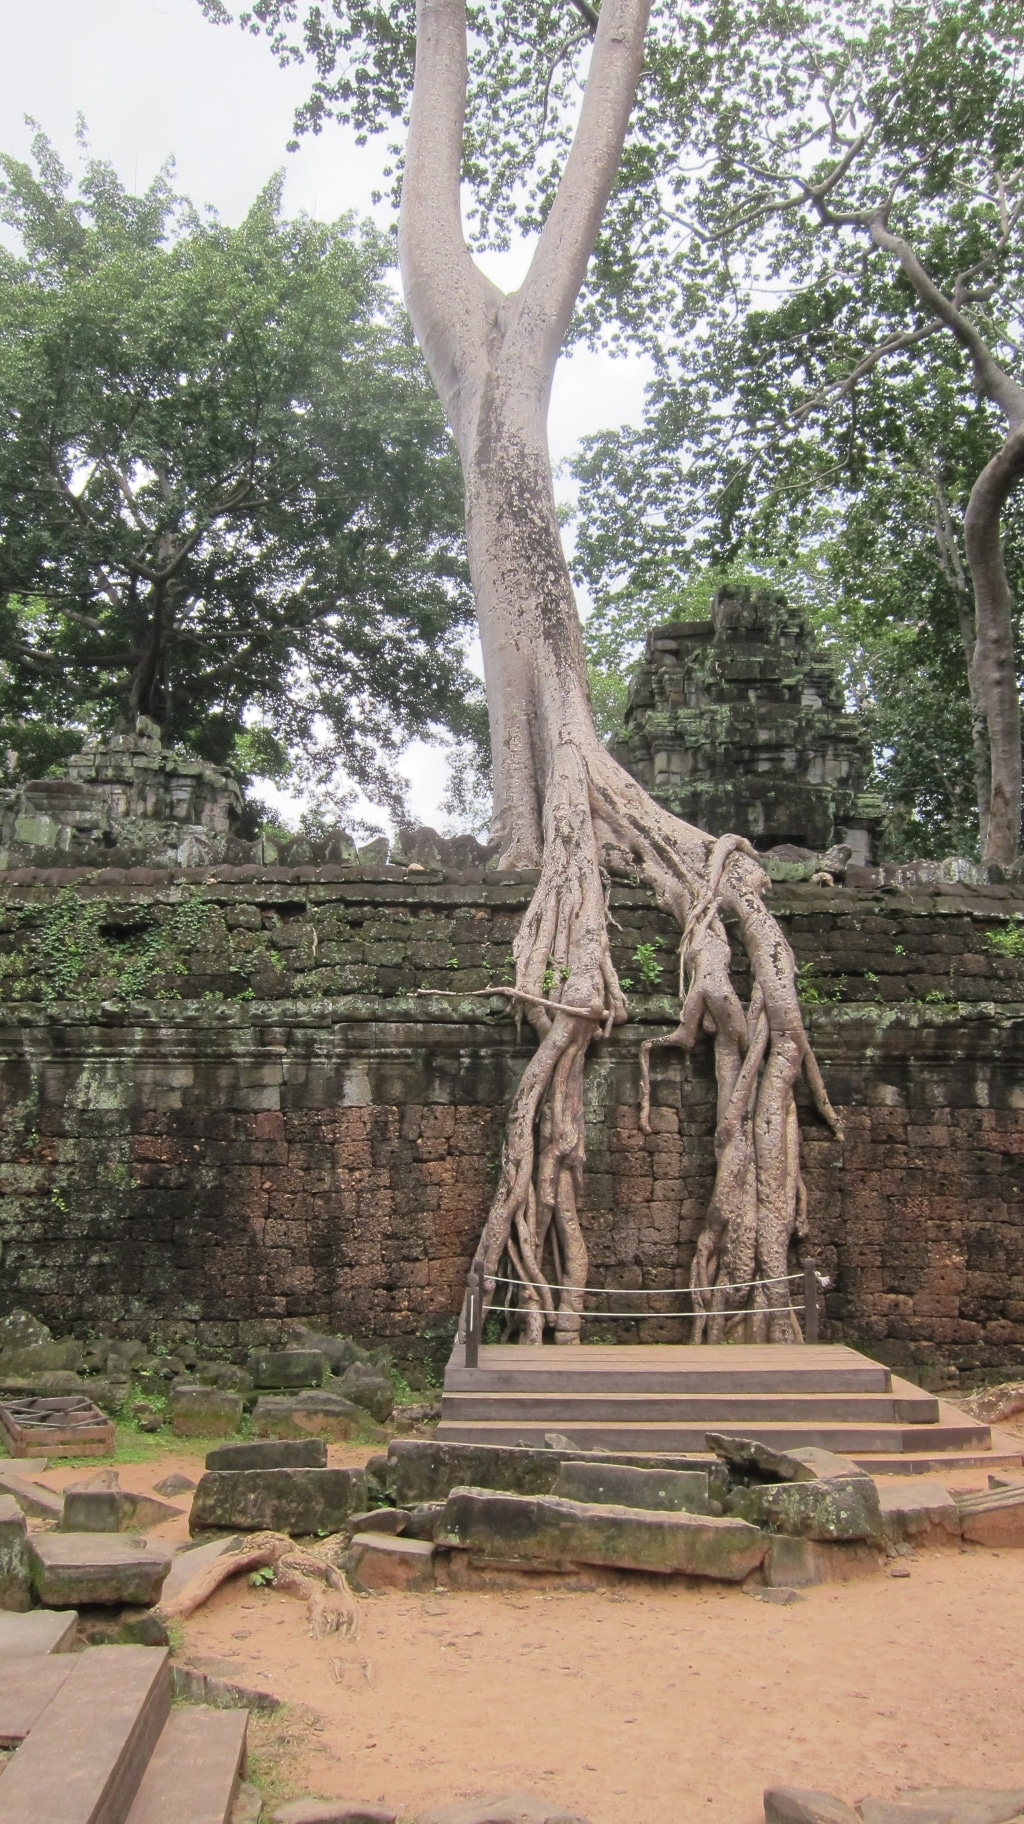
[
  {"x": 449, "y": 300},
  {"x": 542, "y": 311}
]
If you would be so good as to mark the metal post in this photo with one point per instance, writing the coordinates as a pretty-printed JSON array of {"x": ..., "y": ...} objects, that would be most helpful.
[
  {"x": 810, "y": 1303},
  {"x": 474, "y": 1317}
]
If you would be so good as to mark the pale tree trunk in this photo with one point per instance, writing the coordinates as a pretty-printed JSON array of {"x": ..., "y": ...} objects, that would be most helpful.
[
  {"x": 949, "y": 559},
  {"x": 561, "y": 803}
]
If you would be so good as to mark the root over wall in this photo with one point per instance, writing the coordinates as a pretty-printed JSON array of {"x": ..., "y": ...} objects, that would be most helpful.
[{"x": 239, "y": 1096}]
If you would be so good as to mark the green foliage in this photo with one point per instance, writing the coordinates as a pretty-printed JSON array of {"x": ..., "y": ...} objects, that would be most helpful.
[
  {"x": 226, "y": 486},
  {"x": 646, "y": 959},
  {"x": 74, "y": 942},
  {"x": 1008, "y": 940},
  {"x": 261, "y": 1579}
]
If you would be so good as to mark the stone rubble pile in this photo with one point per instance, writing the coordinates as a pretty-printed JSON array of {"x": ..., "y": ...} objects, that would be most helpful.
[{"x": 322, "y": 1386}]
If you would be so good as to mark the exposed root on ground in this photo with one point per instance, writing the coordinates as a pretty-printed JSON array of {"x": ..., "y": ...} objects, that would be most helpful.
[{"x": 599, "y": 824}]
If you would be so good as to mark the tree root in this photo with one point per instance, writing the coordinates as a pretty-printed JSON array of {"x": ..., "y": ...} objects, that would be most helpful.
[{"x": 599, "y": 824}]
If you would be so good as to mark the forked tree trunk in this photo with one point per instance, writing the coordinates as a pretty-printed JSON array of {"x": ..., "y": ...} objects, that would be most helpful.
[{"x": 561, "y": 803}]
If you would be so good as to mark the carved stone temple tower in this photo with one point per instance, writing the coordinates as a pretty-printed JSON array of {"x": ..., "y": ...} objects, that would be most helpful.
[{"x": 738, "y": 723}]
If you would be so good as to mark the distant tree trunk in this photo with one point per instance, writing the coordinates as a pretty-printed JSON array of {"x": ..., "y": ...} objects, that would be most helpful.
[
  {"x": 995, "y": 664},
  {"x": 561, "y": 802}
]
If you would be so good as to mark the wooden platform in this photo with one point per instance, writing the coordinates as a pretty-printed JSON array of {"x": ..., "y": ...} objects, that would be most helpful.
[{"x": 665, "y": 1398}]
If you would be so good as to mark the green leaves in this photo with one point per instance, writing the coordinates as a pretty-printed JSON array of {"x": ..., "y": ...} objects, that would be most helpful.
[{"x": 226, "y": 487}]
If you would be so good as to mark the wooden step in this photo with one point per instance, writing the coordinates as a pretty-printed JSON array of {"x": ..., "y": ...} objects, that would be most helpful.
[
  {"x": 715, "y": 1411},
  {"x": 847, "y": 1440},
  {"x": 27, "y": 1686},
  {"x": 195, "y": 1770},
  {"x": 83, "y": 1760},
  {"x": 667, "y": 1368}
]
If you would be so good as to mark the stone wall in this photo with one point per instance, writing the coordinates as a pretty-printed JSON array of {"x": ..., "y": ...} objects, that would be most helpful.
[{"x": 243, "y": 1095}]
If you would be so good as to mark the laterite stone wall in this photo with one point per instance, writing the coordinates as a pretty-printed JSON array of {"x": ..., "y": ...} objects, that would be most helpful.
[{"x": 237, "y": 1096}]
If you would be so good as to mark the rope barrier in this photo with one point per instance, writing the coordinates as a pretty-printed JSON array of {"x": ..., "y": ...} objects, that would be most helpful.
[
  {"x": 748, "y": 1285},
  {"x": 642, "y": 1317}
]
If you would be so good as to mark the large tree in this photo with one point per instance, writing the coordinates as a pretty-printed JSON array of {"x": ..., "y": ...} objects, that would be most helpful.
[
  {"x": 562, "y": 805},
  {"x": 827, "y": 253},
  {"x": 226, "y": 488}
]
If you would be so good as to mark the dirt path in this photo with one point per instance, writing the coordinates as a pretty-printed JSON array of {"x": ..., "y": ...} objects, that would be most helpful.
[{"x": 647, "y": 1704}]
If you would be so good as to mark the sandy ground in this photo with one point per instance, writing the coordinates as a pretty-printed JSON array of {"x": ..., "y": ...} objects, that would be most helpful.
[{"x": 647, "y": 1703}]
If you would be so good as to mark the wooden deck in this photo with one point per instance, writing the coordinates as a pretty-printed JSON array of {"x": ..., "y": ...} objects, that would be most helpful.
[{"x": 665, "y": 1398}]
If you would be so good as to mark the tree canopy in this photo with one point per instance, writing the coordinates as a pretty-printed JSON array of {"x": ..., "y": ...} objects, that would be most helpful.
[{"x": 228, "y": 499}]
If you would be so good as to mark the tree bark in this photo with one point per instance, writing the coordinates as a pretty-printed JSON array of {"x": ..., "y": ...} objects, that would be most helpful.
[
  {"x": 562, "y": 804},
  {"x": 995, "y": 665}
]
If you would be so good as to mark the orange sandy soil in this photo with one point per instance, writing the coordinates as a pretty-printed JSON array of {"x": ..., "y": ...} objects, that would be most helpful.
[{"x": 647, "y": 1703}]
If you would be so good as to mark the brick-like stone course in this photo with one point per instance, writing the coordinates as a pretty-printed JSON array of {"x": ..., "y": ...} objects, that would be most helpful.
[{"x": 228, "y": 1104}]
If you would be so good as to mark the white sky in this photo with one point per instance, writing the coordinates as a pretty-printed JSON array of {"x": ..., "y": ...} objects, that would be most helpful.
[{"x": 153, "y": 77}]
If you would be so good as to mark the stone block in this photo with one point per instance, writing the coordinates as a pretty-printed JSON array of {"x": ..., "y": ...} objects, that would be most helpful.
[
  {"x": 800, "y": 1805},
  {"x": 71, "y": 1569},
  {"x": 422, "y": 1519},
  {"x": 365, "y": 1386},
  {"x": 660, "y": 1490},
  {"x": 38, "y": 1502},
  {"x": 542, "y": 1528},
  {"x": 837, "y": 1509},
  {"x": 27, "y": 1635},
  {"x": 797, "y": 1564},
  {"x": 277, "y": 1500},
  {"x": 288, "y": 1367},
  {"x": 270, "y": 1453},
  {"x": 113, "y": 1510},
  {"x": 41, "y": 1358},
  {"x": 994, "y": 1518},
  {"x": 340, "y": 1351},
  {"x": 946, "y": 1805},
  {"x": 918, "y": 1512},
  {"x": 312, "y": 1414},
  {"x": 375, "y": 1561},
  {"x": 204, "y": 1412},
  {"x": 803, "y": 1463},
  {"x": 15, "y": 1581},
  {"x": 421, "y": 1470}
]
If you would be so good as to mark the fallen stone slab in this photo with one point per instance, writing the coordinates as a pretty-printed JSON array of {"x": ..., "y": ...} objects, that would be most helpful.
[
  {"x": 661, "y": 1490},
  {"x": 946, "y": 1805},
  {"x": 113, "y": 1510},
  {"x": 334, "y": 1811},
  {"x": 918, "y": 1512},
  {"x": 995, "y": 1517},
  {"x": 204, "y": 1412},
  {"x": 801, "y": 1805},
  {"x": 316, "y": 1414},
  {"x": 421, "y": 1470},
  {"x": 270, "y": 1453},
  {"x": 277, "y": 1500},
  {"x": 422, "y": 1519},
  {"x": 111, "y": 1710},
  {"x": 382, "y": 1520},
  {"x": 26, "y": 1688},
  {"x": 37, "y": 1502},
  {"x": 15, "y": 1581},
  {"x": 340, "y": 1351},
  {"x": 194, "y": 1770},
  {"x": 505, "y": 1808},
  {"x": 547, "y": 1529},
  {"x": 37, "y": 1632},
  {"x": 367, "y": 1387},
  {"x": 375, "y": 1561},
  {"x": 288, "y": 1367},
  {"x": 803, "y": 1463},
  {"x": 73, "y": 1569},
  {"x": 841, "y": 1508},
  {"x": 799, "y": 1564}
]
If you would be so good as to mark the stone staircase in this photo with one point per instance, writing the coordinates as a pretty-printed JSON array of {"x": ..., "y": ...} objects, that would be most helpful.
[
  {"x": 665, "y": 1398},
  {"x": 96, "y": 1742}
]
